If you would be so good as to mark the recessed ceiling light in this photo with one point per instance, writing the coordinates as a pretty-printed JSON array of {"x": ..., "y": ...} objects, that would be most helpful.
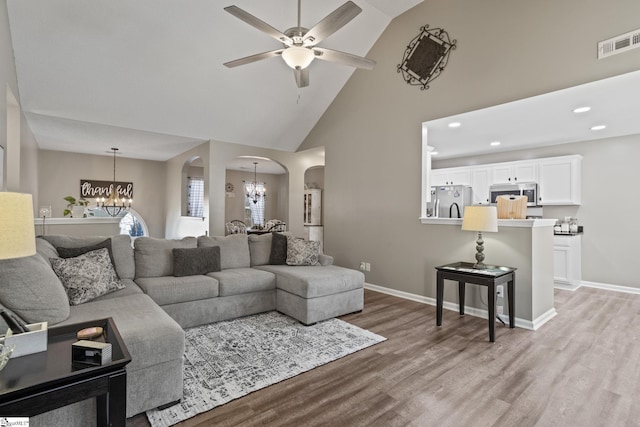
[
  {"x": 599, "y": 127},
  {"x": 434, "y": 153},
  {"x": 454, "y": 124},
  {"x": 582, "y": 109},
  {"x": 495, "y": 143}
]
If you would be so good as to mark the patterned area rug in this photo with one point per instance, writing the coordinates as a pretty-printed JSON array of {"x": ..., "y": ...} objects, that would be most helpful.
[{"x": 227, "y": 360}]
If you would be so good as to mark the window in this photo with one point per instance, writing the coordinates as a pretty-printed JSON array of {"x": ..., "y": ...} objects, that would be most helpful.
[
  {"x": 131, "y": 222},
  {"x": 195, "y": 197},
  {"x": 132, "y": 225},
  {"x": 257, "y": 208}
]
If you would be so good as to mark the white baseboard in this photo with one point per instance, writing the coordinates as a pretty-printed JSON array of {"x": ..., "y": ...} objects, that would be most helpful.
[
  {"x": 567, "y": 286},
  {"x": 473, "y": 311},
  {"x": 596, "y": 285},
  {"x": 608, "y": 287}
]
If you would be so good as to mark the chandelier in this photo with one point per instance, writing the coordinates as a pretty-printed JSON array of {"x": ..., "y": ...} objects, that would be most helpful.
[
  {"x": 255, "y": 190},
  {"x": 114, "y": 204}
]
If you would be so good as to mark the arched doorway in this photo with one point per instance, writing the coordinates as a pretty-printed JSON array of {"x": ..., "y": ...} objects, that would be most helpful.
[
  {"x": 313, "y": 204},
  {"x": 193, "y": 188},
  {"x": 247, "y": 178}
]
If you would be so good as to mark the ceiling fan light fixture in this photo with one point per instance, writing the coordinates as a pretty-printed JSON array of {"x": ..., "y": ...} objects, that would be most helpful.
[{"x": 298, "y": 57}]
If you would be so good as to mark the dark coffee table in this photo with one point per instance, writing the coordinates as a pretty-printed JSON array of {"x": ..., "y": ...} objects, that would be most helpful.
[
  {"x": 40, "y": 382},
  {"x": 490, "y": 276}
]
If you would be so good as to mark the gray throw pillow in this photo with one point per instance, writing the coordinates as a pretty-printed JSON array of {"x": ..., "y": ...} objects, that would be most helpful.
[
  {"x": 87, "y": 276},
  {"x": 278, "y": 254},
  {"x": 302, "y": 252},
  {"x": 30, "y": 288},
  {"x": 154, "y": 257},
  {"x": 196, "y": 261}
]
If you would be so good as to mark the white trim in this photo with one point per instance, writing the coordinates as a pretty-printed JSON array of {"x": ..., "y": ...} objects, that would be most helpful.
[
  {"x": 609, "y": 287},
  {"x": 596, "y": 285},
  {"x": 567, "y": 286},
  {"x": 473, "y": 311},
  {"x": 74, "y": 221}
]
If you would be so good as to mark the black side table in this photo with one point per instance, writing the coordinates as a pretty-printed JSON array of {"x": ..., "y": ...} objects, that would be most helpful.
[
  {"x": 40, "y": 382},
  {"x": 491, "y": 276}
]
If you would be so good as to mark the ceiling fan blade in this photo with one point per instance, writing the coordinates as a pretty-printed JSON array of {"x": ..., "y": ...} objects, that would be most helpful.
[
  {"x": 331, "y": 23},
  {"x": 344, "y": 58},
  {"x": 253, "y": 58},
  {"x": 302, "y": 77},
  {"x": 259, "y": 24}
]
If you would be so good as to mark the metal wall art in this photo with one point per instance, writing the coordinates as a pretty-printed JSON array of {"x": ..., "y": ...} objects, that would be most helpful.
[{"x": 426, "y": 56}]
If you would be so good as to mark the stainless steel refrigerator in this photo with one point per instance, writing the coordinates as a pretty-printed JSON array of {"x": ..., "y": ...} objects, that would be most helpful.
[{"x": 449, "y": 197}]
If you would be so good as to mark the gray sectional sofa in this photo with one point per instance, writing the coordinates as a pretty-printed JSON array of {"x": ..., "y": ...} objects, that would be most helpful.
[{"x": 161, "y": 299}]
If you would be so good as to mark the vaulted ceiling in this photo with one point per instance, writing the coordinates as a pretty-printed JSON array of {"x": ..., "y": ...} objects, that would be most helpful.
[{"x": 147, "y": 76}]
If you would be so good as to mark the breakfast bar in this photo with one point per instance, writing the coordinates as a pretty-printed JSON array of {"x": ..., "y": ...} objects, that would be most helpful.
[{"x": 526, "y": 245}]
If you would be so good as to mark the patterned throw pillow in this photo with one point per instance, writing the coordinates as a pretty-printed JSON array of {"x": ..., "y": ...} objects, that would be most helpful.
[
  {"x": 87, "y": 276},
  {"x": 302, "y": 252}
]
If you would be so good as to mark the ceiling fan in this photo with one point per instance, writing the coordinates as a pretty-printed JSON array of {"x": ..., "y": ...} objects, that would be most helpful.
[{"x": 300, "y": 43}]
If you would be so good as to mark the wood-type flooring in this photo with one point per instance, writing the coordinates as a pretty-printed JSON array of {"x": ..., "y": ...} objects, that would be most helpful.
[{"x": 582, "y": 368}]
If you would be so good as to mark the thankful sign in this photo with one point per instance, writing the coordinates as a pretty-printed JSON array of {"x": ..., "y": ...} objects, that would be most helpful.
[{"x": 90, "y": 189}]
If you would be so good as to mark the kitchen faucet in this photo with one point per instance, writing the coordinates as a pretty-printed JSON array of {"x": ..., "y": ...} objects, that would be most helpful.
[{"x": 457, "y": 208}]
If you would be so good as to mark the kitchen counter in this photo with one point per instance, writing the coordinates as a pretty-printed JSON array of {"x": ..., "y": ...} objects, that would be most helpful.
[
  {"x": 523, "y": 223},
  {"x": 526, "y": 244}
]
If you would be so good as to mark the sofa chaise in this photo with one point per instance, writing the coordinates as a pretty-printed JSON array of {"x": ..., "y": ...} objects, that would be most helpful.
[{"x": 161, "y": 297}]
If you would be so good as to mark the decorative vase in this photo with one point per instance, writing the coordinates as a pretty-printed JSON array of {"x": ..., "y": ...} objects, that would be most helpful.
[{"x": 77, "y": 211}]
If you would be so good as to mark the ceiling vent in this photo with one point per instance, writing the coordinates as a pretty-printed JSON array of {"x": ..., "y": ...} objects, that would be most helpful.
[{"x": 619, "y": 44}]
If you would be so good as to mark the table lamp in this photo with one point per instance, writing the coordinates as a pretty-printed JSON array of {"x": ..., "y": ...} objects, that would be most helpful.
[
  {"x": 480, "y": 219},
  {"x": 17, "y": 231}
]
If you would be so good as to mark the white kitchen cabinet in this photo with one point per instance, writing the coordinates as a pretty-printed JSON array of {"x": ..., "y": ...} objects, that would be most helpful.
[
  {"x": 313, "y": 207},
  {"x": 514, "y": 172},
  {"x": 451, "y": 176},
  {"x": 480, "y": 182},
  {"x": 567, "y": 261},
  {"x": 559, "y": 180}
]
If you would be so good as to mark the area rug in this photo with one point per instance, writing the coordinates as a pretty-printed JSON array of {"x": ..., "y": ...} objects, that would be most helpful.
[{"x": 227, "y": 360}]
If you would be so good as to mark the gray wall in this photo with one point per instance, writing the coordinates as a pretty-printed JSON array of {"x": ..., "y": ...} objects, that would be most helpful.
[
  {"x": 60, "y": 174},
  {"x": 21, "y": 159},
  {"x": 372, "y": 131},
  {"x": 7, "y": 71}
]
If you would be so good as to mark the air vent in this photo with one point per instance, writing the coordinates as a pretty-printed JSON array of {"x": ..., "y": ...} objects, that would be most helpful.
[{"x": 619, "y": 44}]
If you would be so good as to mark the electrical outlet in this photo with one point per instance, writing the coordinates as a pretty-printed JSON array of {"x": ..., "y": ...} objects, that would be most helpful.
[
  {"x": 500, "y": 310},
  {"x": 368, "y": 266},
  {"x": 500, "y": 291},
  {"x": 363, "y": 266}
]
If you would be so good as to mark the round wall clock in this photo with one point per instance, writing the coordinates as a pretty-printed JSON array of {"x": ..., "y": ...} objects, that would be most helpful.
[{"x": 229, "y": 187}]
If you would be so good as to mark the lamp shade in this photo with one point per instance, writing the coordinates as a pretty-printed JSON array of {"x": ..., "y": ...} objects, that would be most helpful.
[
  {"x": 298, "y": 56},
  {"x": 17, "y": 231},
  {"x": 480, "y": 218}
]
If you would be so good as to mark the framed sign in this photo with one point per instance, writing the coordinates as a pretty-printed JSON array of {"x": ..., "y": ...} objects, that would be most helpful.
[
  {"x": 426, "y": 56},
  {"x": 91, "y": 189}
]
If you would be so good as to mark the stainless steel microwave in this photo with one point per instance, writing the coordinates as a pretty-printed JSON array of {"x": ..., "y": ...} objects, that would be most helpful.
[{"x": 529, "y": 189}]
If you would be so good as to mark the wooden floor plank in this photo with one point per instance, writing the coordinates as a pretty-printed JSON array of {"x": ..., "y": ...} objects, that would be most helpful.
[{"x": 579, "y": 369}]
